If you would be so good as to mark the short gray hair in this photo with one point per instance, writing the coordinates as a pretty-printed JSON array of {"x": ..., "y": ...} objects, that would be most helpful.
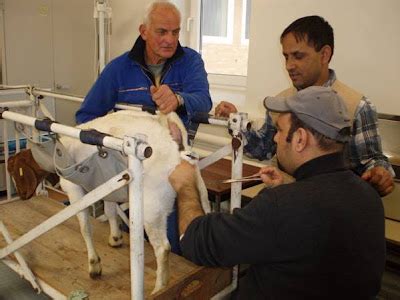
[{"x": 159, "y": 4}]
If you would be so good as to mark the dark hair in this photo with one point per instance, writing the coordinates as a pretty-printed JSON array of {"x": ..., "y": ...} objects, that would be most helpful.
[
  {"x": 324, "y": 143},
  {"x": 313, "y": 29}
]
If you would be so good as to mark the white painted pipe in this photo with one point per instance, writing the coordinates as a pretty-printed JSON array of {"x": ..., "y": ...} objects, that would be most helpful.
[
  {"x": 13, "y": 87},
  {"x": 95, "y": 195},
  {"x": 202, "y": 137},
  {"x": 102, "y": 48},
  {"x": 16, "y": 103},
  {"x": 108, "y": 141},
  {"x": 6, "y": 156},
  {"x": 27, "y": 273},
  {"x": 136, "y": 234},
  {"x": 42, "y": 92},
  {"x": 236, "y": 188},
  {"x": 237, "y": 170},
  {"x": 37, "y": 92},
  {"x": 217, "y": 155}
]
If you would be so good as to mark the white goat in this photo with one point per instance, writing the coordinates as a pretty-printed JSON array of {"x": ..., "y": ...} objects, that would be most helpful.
[{"x": 158, "y": 195}]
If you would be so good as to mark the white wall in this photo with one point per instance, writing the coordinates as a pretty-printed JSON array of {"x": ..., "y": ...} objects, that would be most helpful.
[
  {"x": 367, "y": 43},
  {"x": 127, "y": 16}
]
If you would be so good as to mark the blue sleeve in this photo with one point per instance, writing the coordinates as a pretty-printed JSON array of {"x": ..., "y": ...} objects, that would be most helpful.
[
  {"x": 365, "y": 146},
  {"x": 260, "y": 143},
  {"x": 101, "y": 97},
  {"x": 195, "y": 88}
]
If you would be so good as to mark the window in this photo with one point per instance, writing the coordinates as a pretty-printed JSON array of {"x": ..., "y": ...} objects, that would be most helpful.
[
  {"x": 217, "y": 21},
  {"x": 224, "y": 37}
]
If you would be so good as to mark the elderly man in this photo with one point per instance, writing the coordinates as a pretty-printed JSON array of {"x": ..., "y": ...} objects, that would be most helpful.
[
  {"x": 157, "y": 72},
  {"x": 308, "y": 45},
  {"x": 321, "y": 237}
]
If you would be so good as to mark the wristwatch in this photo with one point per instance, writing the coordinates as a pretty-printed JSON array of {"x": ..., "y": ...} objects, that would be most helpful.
[{"x": 181, "y": 101}]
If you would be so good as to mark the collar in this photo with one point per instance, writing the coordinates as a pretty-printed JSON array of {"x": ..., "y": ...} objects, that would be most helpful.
[
  {"x": 137, "y": 53},
  {"x": 323, "y": 164},
  {"x": 331, "y": 78}
]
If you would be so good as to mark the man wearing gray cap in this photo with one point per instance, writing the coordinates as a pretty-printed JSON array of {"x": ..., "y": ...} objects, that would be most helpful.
[{"x": 320, "y": 237}]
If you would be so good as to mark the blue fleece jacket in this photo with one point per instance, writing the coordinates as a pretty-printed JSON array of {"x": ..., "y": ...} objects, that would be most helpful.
[{"x": 126, "y": 79}]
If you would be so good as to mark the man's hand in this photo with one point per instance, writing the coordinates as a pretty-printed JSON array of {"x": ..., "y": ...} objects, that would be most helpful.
[
  {"x": 164, "y": 98},
  {"x": 271, "y": 176},
  {"x": 183, "y": 181},
  {"x": 381, "y": 180},
  {"x": 182, "y": 176},
  {"x": 224, "y": 108}
]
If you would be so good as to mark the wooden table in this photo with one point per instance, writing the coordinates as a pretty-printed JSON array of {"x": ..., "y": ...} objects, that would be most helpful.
[{"x": 215, "y": 173}]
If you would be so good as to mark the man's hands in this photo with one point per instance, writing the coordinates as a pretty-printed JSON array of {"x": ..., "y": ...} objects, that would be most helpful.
[
  {"x": 224, "y": 108},
  {"x": 271, "y": 176},
  {"x": 380, "y": 179},
  {"x": 164, "y": 98}
]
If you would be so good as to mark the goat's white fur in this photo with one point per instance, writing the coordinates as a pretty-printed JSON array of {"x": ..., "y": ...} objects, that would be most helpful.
[{"x": 158, "y": 194}]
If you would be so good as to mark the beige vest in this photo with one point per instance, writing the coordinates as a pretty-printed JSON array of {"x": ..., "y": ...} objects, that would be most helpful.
[{"x": 350, "y": 97}]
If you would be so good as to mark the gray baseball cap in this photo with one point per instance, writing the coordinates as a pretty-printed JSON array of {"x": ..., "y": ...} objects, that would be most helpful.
[{"x": 321, "y": 108}]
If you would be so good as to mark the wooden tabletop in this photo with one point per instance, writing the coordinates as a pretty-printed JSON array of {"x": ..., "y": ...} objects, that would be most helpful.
[{"x": 215, "y": 173}]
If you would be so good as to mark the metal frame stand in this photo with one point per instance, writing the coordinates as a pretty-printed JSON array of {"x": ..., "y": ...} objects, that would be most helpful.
[{"x": 137, "y": 149}]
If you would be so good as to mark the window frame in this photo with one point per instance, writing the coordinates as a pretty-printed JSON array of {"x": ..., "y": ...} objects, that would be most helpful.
[
  {"x": 243, "y": 39},
  {"x": 193, "y": 27}
]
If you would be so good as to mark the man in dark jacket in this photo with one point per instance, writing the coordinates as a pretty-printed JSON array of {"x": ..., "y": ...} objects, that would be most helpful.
[{"x": 321, "y": 237}]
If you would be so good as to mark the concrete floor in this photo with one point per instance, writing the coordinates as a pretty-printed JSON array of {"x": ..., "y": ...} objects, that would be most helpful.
[{"x": 12, "y": 287}]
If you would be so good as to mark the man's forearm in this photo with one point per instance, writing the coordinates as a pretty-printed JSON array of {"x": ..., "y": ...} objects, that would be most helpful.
[{"x": 189, "y": 206}]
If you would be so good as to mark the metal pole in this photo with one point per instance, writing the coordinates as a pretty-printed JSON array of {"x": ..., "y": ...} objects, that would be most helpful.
[
  {"x": 136, "y": 235},
  {"x": 102, "y": 50}
]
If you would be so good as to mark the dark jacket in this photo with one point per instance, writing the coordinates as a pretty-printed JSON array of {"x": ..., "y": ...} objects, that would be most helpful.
[
  {"x": 320, "y": 237},
  {"x": 126, "y": 79}
]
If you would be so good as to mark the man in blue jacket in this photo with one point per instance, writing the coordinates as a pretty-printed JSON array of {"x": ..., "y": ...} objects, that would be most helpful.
[{"x": 157, "y": 73}]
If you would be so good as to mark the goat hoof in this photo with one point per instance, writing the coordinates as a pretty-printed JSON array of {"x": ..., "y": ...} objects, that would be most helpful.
[
  {"x": 95, "y": 267},
  {"x": 95, "y": 275},
  {"x": 115, "y": 241}
]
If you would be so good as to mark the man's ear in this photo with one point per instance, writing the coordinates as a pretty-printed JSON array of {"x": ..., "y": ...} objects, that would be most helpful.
[
  {"x": 143, "y": 31},
  {"x": 326, "y": 53},
  {"x": 300, "y": 139}
]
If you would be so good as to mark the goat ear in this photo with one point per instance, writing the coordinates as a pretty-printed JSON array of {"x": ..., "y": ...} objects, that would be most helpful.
[
  {"x": 176, "y": 134},
  {"x": 174, "y": 118}
]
